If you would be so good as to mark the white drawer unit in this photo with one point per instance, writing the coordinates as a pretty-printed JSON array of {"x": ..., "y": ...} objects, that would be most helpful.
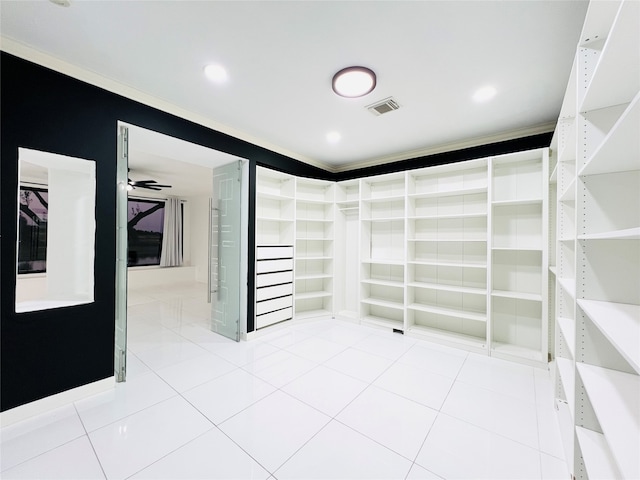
[{"x": 274, "y": 284}]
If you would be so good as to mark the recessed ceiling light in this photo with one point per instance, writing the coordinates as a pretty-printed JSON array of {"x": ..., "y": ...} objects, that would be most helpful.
[
  {"x": 333, "y": 137},
  {"x": 353, "y": 82},
  {"x": 216, "y": 73},
  {"x": 485, "y": 94}
]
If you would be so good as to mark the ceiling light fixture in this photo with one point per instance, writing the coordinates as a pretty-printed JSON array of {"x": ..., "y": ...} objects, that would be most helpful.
[
  {"x": 216, "y": 73},
  {"x": 333, "y": 137},
  {"x": 354, "y": 82},
  {"x": 485, "y": 94}
]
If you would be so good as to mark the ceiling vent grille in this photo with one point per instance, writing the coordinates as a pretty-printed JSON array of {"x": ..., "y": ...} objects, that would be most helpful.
[{"x": 384, "y": 106}]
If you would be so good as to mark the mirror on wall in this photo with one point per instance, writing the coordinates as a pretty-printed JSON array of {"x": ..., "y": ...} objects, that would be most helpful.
[{"x": 56, "y": 231}]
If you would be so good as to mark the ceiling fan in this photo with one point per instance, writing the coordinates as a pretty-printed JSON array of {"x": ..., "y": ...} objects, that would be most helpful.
[{"x": 148, "y": 184}]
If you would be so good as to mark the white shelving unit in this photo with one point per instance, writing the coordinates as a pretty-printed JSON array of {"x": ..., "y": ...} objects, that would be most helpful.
[
  {"x": 347, "y": 250},
  {"x": 314, "y": 248},
  {"x": 598, "y": 248},
  {"x": 447, "y": 217},
  {"x": 275, "y": 215},
  {"x": 382, "y": 250},
  {"x": 519, "y": 249}
]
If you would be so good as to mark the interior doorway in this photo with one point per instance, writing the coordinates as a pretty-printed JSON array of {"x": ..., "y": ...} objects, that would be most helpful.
[{"x": 152, "y": 169}]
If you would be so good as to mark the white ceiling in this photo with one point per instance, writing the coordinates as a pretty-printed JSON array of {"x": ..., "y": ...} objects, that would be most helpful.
[{"x": 281, "y": 55}]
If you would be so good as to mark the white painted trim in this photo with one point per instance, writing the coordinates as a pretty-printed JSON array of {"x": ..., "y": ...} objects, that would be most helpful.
[
  {"x": 29, "y": 53},
  {"x": 448, "y": 147},
  {"x": 52, "y": 402}
]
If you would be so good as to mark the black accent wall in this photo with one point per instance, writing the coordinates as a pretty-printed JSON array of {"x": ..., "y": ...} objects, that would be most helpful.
[{"x": 47, "y": 352}]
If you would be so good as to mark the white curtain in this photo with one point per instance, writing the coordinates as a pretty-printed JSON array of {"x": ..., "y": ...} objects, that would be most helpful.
[{"x": 171, "y": 255}]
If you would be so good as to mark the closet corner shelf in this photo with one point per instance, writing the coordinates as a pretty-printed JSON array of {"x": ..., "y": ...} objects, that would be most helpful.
[
  {"x": 569, "y": 193},
  {"x": 598, "y": 460},
  {"x": 274, "y": 219},
  {"x": 314, "y": 201},
  {"x": 568, "y": 285},
  {"x": 516, "y": 202},
  {"x": 273, "y": 196},
  {"x": 384, "y": 283},
  {"x": 625, "y": 234},
  {"x": 567, "y": 379},
  {"x": 449, "y": 193},
  {"x": 615, "y": 398},
  {"x": 620, "y": 150},
  {"x": 383, "y": 219},
  {"x": 382, "y": 303},
  {"x": 620, "y": 324},
  {"x": 384, "y": 199},
  {"x": 554, "y": 174},
  {"x": 318, "y": 220},
  {"x": 449, "y": 312},
  {"x": 310, "y": 295},
  {"x": 320, "y": 276},
  {"x": 448, "y": 288},
  {"x": 553, "y": 269},
  {"x": 382, "y": 261},
  {"x": 567, "y": 329},
  {"x": 535, "y": 297}
]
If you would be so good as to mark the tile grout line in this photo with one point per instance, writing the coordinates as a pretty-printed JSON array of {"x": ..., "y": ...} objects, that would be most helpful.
[{"x": 93, "y": 448}]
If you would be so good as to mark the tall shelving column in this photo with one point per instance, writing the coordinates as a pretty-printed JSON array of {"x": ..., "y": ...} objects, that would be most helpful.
[
  {"x": 275, "y": 210},
  {"x": 518, "y": 330},
  {"x": 347, "y": 250},
  {"x": 608, "y": 244},
  {"x": 447, "y": 254},
  {"x": 382, "y": 275},
  {"x": 314, "y": 248}
]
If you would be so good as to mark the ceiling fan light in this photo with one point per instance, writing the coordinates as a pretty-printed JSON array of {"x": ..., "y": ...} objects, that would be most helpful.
[{"x": 354, "y": 82}]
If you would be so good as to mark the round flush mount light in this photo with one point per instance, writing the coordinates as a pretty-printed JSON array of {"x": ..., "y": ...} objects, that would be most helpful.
[
  {"x": 484, "y": 94},
  {"x": 354, "y": 82},
  {"x": 216, "y": 73}
]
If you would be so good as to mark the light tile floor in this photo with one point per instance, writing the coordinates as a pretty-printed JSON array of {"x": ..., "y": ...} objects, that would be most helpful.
[{"x": 322, "y": 399}]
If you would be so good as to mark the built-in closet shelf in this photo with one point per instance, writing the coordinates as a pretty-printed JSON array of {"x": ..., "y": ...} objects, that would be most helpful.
[
  {"x": 568, "y": 285},
  {"x": 553, "y": 269},
  {"x": 449, "y": 337},
  {"x": 447, "y": 264},
  {"x": 443, "y": 240},
  {"x": 314, "y": 239},
  {"x": 569, "y": 193},
  {"x": 314, "y": 277},
  {"x": 384, "y": 283},
  {"x": 274, "y": 219},
  {"x": 449, "y": 312},
  {"x": 383, "y": 219},
  {"x": 568, "y": 331},
  {"x": 383, "y": 303},
  {"x": 567, "y": 239},
  {"x": 299, "y": 258},
  {"x": 568, "y": 151},
  {"x": 273, "y": 196},
  {"x": 616, "y": 77},
  {"x": 626, "y": 234},
  {"x": 508, "y": 350},
  {"x": 301, "y": 315},
  {"x": 598, "y": 460},
  {"x": 382, "y": 261},
  {"x": 567, "y": 378},
  {"x": 317, "y": 220},
  {"x": 448, "y": 193},
  {"x": 536, "y": 297},
  {"x": 384, "y": 199},
  {"x": 313, "y": 201},
  {"x": 516, "y": 202},
  {"x": 615, "y": 398},
  {"x": 448, "y": 288},
  {"x": 448, "y": 216},
  {"x": 308, "y": 295},
  {"x": 620, "y": 324},
  {"x": 553, "y": 178},
  {"x": 518, "y": 249}
]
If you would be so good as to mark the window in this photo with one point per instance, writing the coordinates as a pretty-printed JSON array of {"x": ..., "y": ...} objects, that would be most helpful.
[
  {"x": 145, "y": 222},
  {"x": 32, "y": 230}
]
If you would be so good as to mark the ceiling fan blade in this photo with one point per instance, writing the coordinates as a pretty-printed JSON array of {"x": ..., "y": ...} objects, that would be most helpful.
[{"x": 149, "y": 187}]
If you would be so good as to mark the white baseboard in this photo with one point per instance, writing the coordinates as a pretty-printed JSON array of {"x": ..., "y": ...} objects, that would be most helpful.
[{"x": 52, "y": 402}]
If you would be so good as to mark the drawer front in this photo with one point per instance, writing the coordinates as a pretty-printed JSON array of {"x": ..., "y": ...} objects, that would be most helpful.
[
  {"x": 267, "y": 279},
  {"x": 274, "y": 317},
  {"x": 276, "y": 304},
  {"x": 265, "y": 253},
  {"x": 266, "y": 266},
  {"x": 273, "y": 292}
]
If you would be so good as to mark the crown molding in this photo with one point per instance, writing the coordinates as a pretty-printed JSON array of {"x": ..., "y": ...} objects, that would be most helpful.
[
  {"x": 447, "y": 147},
  {"x": 44, "y": 59}
]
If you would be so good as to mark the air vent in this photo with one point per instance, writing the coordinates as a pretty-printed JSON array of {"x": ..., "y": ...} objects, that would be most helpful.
[{"x": 384, "y": 106}]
